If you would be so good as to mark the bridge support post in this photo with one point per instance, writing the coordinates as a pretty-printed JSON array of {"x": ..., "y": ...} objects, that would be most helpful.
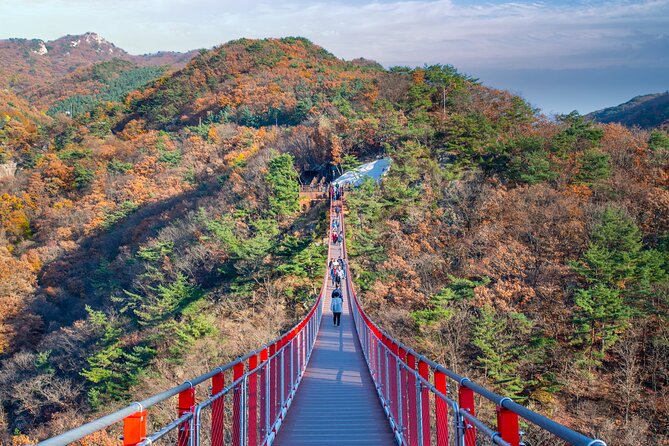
[
  {"x": 237, "y": 407},
  {"x": 466, "y": 399},
  {"x": 293, "y": 362},
  {"x": 424, "y": 407},
  {"x": 386, "y": 379},
  {"x": 264, "y": 395},
  {"x": 272, "y": 383},
  {"x": 186, "y": 404},
  {"x": 253, "y": 402},
  {"x": 134, "y": 428},
  {"x": 401, "y": 391},
  {"x": 507, "y": 425},
  {"x": 284, "y": 349},
  {"x": 218, "y": 411},
  {"x": 441, "y": 409},
  {"x": 411, "y": 390},
  {"x": 303, "y": 349}
]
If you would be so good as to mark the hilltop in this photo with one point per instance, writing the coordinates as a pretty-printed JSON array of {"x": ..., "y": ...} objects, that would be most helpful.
[
  {"x": 255, "y": 82},
  {"x": 35, "y": 63},
  {"x": 647, "y": 111}
]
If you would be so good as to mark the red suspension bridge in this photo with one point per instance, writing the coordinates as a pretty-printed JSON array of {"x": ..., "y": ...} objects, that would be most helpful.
[{"x": 357, "y": 385}]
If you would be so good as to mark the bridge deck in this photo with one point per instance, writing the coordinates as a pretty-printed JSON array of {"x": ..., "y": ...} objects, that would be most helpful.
[{"x": 336, "y": 403}]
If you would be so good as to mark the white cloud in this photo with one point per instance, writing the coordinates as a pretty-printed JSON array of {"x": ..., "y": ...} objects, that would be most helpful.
[{"x": 471, "y": 36}]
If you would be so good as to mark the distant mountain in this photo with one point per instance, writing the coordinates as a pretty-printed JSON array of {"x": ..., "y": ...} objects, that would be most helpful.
[
  {"x": 648, "y": 111},
  {"x": 33, "y": 63}
]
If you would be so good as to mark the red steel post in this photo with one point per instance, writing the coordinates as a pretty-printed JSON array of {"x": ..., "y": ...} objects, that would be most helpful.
[
  {"x": 441, "y": 408},
  {"x": 134, "y": 428},
  {"x": 218, "y": 410},
  {"x": 507, "y": 426},
  {"x": 392, "y": 373},
  {"x": 237, "y": 372},
  {"x": 411, "y": 390},
  {"x": 424, "y": 372},
  {"x": 186, "y": 404},
  {"x": 253, "y": 402},
  {"x": 466, "y": 399},
  {"x": 264, "y": 418},
  {"x": 272, "y": 382},
  {"x": 403, "y": 395}
]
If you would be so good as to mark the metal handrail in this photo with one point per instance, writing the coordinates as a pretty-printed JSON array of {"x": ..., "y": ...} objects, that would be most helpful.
[{"x": 563, "y": 432}]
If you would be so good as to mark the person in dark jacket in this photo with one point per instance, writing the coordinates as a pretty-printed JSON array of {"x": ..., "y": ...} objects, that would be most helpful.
[{"x": 336, "y": 306}]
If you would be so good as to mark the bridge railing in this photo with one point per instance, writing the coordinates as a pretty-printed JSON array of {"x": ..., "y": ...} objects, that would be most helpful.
[
  {"x": 245, "y": 404},
  {"x": 428, "y": 404}
]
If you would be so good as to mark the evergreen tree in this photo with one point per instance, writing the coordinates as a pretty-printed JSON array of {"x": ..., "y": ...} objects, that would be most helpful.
[
  {"x": 499, "y": 352},
  {"x": 282, "y": 177},
  {"x": 619, "y": 274}
]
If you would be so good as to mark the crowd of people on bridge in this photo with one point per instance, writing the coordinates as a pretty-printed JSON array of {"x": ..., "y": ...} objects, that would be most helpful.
[
  {"x": 337, "y": 267},
  {"x": 337, "y": 232},
  {"x": 336, "y": 192},
  {"x": 337, "y": 271}
]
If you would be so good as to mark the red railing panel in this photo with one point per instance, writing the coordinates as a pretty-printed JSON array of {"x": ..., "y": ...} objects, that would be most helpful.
[
  {"x": 253, "y": 402},
  {"x": 413, "y": 400},
  {"x": 441, "y": 409},
  {"x": 466, "y": 400},
  {"x": 238, "y": 372},
  {"x": 507, "y": 426},
  {"x": 134, "y": 428},
  {"x": 218, "y": 411},
  {"x": 424, "y": 372}
]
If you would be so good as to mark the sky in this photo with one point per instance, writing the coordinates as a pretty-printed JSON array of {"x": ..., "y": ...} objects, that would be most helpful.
[{"x": 559, "y": 55}]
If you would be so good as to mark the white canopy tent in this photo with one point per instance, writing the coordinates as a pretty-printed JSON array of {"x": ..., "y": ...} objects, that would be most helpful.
[{"x": 375, "y": 170}]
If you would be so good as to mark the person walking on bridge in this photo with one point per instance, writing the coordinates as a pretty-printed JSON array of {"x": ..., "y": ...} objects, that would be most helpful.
[
  {"x": 336, "y": 306},
  {"x": 342, "y": 265}
]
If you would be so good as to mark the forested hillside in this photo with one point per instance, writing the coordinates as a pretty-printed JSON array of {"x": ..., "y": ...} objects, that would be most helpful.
[{"x": 159, "y": 233}]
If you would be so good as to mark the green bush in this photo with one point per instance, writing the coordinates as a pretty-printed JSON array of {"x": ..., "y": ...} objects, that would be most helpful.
[
  {"x": 83, "y": 176},
  {"x": 116, "y": 166}
]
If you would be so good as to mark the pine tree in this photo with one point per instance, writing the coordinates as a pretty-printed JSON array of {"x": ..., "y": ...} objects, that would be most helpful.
[
  {"x": 619, "y": 273},
  {"x": 500, "y": 354},
  {"x": 282, "y": 177}
]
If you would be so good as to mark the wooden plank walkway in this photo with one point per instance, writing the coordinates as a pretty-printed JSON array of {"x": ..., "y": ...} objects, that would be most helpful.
[{"x": 336, "y": 403}]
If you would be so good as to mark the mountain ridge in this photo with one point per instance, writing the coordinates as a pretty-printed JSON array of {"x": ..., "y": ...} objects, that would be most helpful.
[
  {"x": 645, "y": 111},
  {"x": 35, "y": 63}
]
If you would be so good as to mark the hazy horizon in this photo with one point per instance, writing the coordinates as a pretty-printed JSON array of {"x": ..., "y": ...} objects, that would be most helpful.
[{"x": 559, "y": 55}]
